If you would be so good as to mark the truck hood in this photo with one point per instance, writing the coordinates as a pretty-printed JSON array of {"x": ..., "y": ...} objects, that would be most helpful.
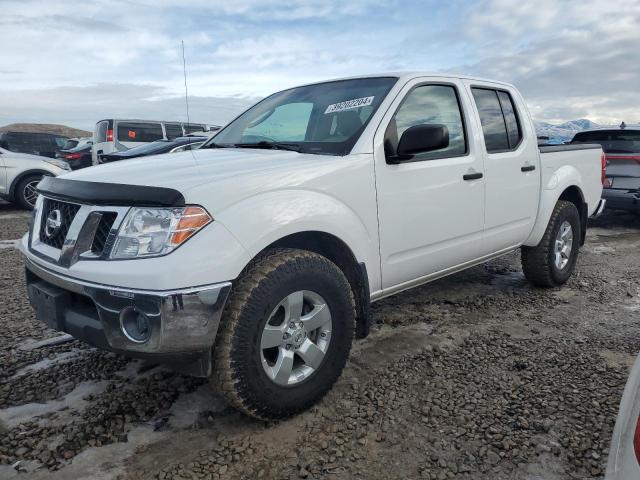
[{"x": 216, "y": 177}]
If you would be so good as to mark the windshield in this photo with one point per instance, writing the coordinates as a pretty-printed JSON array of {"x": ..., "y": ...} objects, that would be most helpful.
[
  {"x": 612, "y": 141},
  {"x": 325, "y": 118}
]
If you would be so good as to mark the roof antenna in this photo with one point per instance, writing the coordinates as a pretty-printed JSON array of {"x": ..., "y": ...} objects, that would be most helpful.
[{"x": 186, "y": 91}]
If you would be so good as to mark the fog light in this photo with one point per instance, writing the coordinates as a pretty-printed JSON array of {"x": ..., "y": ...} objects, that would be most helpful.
[{"x": 135, "y": 325}]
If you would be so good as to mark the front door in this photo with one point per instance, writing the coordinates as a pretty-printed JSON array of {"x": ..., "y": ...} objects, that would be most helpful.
[{"x": 431, "y": 208}]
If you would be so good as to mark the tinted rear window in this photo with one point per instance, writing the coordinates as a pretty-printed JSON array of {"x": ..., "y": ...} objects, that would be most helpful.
[
  {"x": 174, "y": 130},
  {"x": 101, "y": 131},
  {"x": 612, "y": 141},
  {"x": 34, "y": 143},
  {"x": 139, "y": 132},
  {"x": 69, "y": 144},
  {"x": 190, "y": 128}
]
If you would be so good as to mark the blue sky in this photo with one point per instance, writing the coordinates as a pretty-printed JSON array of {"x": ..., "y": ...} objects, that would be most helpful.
[{"x": 76, "y": 61}]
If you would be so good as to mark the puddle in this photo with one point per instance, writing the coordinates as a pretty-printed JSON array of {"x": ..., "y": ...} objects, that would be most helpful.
[
  {"x": 60, "y": 358},
  {"x": 47, "y": 342},
  {"x": 509, "y": 279},
  {"x": 13, "y": 416}
]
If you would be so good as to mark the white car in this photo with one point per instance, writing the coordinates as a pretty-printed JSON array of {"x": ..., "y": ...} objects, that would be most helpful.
[
  {"x": 255, "y": 258},
  {"x": 20, "y": 173}
]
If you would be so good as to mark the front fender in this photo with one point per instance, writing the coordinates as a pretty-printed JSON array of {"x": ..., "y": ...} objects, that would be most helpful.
[
  {"x": 563, "y": 178},
  {"x": 260, "y": 220}
]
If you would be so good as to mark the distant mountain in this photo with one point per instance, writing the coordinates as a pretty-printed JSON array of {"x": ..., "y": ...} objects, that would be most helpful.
[
  {"x": 46, "y": 128},
  {"x": 565, "y": 131}
]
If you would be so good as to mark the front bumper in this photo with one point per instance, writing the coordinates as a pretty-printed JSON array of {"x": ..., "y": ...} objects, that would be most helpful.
[
  {"x": 620, "y": 199},
  {"x": 181, "y": 325}
]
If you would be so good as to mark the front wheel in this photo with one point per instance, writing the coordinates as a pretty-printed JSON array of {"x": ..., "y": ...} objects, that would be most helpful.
[
  {"x": 552, "y": 261},
  {"x": 26, "y": 194},
  {"x": 285, "y": 334}
]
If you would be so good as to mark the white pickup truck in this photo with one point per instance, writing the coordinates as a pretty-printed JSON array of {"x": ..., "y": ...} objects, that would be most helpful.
[{"x": 254, "y": 259}]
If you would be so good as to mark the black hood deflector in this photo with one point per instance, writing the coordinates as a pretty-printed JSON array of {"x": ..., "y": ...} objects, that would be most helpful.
[{"x": 116, "y": 194}]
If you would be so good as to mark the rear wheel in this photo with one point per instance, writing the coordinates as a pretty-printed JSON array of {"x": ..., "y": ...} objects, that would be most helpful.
[
  {"x": 26, "y": 193},
  {"x": 552, "y": 261},
  {"x": 285, "y": 335}
]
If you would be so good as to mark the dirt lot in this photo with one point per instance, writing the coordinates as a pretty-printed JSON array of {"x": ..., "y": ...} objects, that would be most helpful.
[{"x": 475, "y": 376}]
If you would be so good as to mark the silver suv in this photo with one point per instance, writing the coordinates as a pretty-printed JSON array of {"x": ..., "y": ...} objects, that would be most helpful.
[{"x": 20, "y": 173}]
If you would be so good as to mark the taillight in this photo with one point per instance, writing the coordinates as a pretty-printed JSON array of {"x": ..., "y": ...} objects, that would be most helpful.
[
  {"x": 73, "y": 156},
  {"x": 636, "y": 441},
  {"x": 110, "y": 135},
  {"x": 603, "y": 166}
]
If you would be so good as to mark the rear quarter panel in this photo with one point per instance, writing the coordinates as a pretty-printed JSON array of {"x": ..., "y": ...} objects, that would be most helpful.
[{"x": 563, "y": 168}]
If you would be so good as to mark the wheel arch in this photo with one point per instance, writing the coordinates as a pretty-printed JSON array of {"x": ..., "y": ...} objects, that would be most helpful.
[
  {"x": 570, "y": 192},
  {"x": 336, "y": 250},
  {"x": 20, "y": 177},
  {"x": 574, "y": 195}
]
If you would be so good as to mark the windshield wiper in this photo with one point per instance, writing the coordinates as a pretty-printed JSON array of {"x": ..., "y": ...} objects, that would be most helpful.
[{"x": 293, "y": 147}]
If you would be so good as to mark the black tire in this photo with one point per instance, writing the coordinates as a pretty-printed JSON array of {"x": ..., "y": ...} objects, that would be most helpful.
[
  {"x": 238, "y": 371},
  {"x": 21, "y": 196},
  {"x": 538, "y": 262}
]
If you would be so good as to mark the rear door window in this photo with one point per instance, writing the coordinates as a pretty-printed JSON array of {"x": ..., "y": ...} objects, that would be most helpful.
[
  {"x": 492, "y": 120},
  {"x": 174, "y": 130},
  {"x": 139, "y": 132}
]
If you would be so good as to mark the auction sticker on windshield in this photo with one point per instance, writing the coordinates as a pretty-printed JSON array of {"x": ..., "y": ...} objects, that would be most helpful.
[{"x": 349, "y": 104}]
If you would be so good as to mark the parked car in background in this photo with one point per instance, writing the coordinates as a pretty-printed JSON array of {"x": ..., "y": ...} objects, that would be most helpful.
[
  {"x": 77, "y": 157},
  {"x": 253, "y": 260},
  {"x": 20, "y": 173},
  {"x": 41, "y": 144},
  {"x": 77, "y": 143},
  {"x": 116, "y": 135},
  {"x": 158, "y": 147},
  {"x": 622, "y": 155},
  {"x": 624, "y": 452}
]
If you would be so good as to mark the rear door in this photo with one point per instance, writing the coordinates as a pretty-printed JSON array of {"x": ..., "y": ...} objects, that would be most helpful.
[
  {"x": 132, "y": 134},
  {"x": 512, "y": 165},
  {"x": 102, "y": 140},
  {"x": 431, "y": 208}
]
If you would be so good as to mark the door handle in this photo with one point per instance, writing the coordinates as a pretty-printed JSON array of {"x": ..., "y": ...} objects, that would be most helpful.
[
  {"x": 472, "y": 176},
  {"x": 528, "y": 168}
]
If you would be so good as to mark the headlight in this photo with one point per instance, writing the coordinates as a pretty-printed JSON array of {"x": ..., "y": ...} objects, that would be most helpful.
[
  {"x": 59, "y": 163},
  {"x": 151, "y": 232}
]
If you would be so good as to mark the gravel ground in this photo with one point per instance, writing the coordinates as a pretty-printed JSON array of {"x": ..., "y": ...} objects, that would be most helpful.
[{"x": 474, "y": 376}]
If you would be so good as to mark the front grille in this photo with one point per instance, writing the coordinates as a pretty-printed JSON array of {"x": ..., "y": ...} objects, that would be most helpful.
[
  {"x": 56, "y": 236},
  {"x": 102, "y": 233}
]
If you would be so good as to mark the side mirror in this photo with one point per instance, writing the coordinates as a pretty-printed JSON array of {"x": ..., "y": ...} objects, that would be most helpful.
[{"x": 422, "y": 138}]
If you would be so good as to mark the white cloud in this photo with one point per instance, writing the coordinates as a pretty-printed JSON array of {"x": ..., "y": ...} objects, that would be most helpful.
[
  {"x": 570, "y": 59},
  {"x": 78, "y": 60},
  {"x": 81, "y": 107}
]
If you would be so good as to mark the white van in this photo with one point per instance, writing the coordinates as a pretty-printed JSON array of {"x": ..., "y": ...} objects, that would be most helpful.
[{"x": 115, "y": 135}]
